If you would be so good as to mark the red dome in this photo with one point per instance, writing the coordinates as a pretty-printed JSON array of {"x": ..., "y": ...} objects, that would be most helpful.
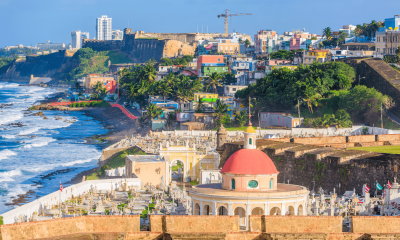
[{"x": 249, "y": 161}]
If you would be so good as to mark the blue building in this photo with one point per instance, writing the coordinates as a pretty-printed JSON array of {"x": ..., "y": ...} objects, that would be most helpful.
[{"x": 391, "y": 24}]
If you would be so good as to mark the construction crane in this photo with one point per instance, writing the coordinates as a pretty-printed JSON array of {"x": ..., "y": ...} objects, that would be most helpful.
[{"x": 226, "y": 15}]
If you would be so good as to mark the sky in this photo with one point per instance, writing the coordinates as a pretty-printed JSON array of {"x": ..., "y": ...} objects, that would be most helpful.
[{"x": 29, "y": 22}]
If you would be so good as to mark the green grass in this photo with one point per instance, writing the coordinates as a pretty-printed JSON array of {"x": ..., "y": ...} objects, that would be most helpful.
[
  {"x": 93, "y": 176},
  {"x": 380, "y": 149},
  {"x": 144, "y": 213},
  {"x": 194, "y": 183},
  {"x": 117, "y": 58},
  {"x": 119, "y": 159}
]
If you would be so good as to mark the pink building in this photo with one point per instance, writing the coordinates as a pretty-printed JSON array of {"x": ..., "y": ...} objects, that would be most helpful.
[{"x": 274, "y": 62}]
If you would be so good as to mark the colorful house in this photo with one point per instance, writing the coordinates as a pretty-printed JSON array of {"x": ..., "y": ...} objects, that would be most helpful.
[{"x": 214, "y": 59}]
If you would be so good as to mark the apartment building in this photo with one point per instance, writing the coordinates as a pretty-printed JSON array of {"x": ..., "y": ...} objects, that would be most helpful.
[{"x": 104, "y": 28}]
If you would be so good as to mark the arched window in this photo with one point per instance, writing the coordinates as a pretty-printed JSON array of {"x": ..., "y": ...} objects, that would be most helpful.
[
  {"x": 271, "y": 183},
  {"x": 250, "y": 141},
  {"x": 233, "y": 184}
]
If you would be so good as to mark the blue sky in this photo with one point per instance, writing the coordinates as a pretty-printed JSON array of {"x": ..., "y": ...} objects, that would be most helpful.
[{"x": 28, "y": 22}]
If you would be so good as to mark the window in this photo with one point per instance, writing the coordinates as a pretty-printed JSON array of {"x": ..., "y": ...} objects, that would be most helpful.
[
  {"x": 191, "y": 168},
  {"x": 250, "y": 141},
  {"x": 227, "y": 88},
  {"x": 271, "y": 183},
  {"x": 234, "y": 89},
  {"x": 377, "y": 50},
  {"x": 253, "y": 184},
  {"x": 383, "y": 50},
  {"x": 233, "y": 184},
  {"x": 219, "y": 60}
]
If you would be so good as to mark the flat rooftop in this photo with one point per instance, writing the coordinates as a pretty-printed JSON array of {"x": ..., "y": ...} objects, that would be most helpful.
[{"x": 145, "y": 158}]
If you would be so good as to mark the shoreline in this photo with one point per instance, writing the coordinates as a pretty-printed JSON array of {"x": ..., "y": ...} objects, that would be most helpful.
[{"x": 113, "y": 119}]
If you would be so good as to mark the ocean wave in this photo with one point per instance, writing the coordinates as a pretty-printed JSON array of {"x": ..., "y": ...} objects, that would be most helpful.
[
  {"x": 11, "y": 117},
  {"x": 77, "y": 162},
  {"x": 6, "y": 153},
  {"x": 8, "y": 176},
  {"x": 39, "y": 142},
  {"x": 8, "y": 136},
  {"x": 28, "y": 131}
]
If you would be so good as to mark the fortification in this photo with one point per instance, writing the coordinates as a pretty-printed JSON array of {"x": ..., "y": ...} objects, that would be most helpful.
[
  {"x": 374, "y": 72},
  {"x": 325, "y": 162}
]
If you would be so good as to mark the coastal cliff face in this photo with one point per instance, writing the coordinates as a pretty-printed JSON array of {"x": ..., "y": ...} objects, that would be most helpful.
[{"x": 50, "y": 65}]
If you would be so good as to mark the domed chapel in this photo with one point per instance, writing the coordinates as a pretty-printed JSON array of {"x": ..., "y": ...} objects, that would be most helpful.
[{"x": 249, "y": 187}]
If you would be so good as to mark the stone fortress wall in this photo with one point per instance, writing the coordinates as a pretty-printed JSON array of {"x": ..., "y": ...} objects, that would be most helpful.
[
  {"x": 201, "y": 227},
  {"x": 325, "y": 162}
]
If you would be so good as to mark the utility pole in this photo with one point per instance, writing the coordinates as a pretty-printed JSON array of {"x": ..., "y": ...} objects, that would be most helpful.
[
  {"x": 249, "y": 111},
  {"x": 381, "y": 117},
  {"x": 298, "y": 109}
]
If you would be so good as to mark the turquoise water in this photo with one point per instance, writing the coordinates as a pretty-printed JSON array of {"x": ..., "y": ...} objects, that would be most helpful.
[{"x": 42, "y": 152}]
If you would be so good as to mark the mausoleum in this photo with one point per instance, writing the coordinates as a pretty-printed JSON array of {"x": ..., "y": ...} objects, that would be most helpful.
[{"x": 249, "y": 187}]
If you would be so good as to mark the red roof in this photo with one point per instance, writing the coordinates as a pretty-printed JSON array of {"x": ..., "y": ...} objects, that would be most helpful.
[{"x": 249, "y": 161}]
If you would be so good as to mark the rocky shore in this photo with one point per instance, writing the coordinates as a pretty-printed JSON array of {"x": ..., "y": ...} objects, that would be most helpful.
[{"x": 118, "y": 124}]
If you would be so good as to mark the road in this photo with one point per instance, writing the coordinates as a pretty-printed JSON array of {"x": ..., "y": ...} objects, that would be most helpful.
[
  {"x": 393, "y": 117},
  {"x": 129, "y": 108}
]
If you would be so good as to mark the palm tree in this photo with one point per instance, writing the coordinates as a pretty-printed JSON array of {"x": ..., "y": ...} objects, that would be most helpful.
[
  {"x": 213, "y": 81},
  {"x": 77, "y": 86},
  {"x": 153, "y": 111},
  {"x": 149, "y": 73},
  {"x": 241, "y": 118},
  {"x": 200, "y": 105},
  {"x": 171, "y": 119},
  {"x": 220, "y": 109},
  {"x": 327, "y": 32},
  {"x": 164, "y": 89}
]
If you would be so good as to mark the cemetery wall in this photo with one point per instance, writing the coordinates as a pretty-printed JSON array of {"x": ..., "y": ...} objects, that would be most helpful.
[
  {"x": 295, "y": 224},
  {"x": 52, "y": 199},
  {"x": 65, "y": 226},
  {"x": 320, "y": 140},
  {"x": 194, "y": 224},
  {"x": 375, "y": 224},
  {"x": 388, "y": 137},
  {"x": 361, "y": 138}
]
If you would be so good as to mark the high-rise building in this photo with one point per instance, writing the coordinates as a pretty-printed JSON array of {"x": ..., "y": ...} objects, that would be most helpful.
[
  {"x": 76, "y": 38},
  {"x": 117, "y": 34},
  {"x": 104, "y": 28}
]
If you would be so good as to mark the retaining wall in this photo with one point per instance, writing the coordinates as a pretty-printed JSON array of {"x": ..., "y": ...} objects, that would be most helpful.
[
  {"x": 371, "y": 224},
  {"x": 194, "y": 224},
  {"x": 295, "y": 224},
  {"x": 65, "y": 226}
]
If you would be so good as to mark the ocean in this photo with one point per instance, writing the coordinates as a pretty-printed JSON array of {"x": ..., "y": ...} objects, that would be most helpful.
[{"x": 39, "y": 152}]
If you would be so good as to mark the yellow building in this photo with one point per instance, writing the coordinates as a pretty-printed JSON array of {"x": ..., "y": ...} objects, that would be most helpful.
[
  {"x": 321, "y": 56},
  {"x": 291, "y": 67},
  {"x": 228, "y": 47},
  {"x": 249, "y": 187},
  {"x": 197, "y": 96},
  {"x": 152, "y": 169}
]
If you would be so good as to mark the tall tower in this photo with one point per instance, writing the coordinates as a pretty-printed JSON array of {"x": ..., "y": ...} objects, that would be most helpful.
[
  {"x": 221, "y": 137},
  {"x": 104, "y": 28},
  {"x": 250, "y": 138}
]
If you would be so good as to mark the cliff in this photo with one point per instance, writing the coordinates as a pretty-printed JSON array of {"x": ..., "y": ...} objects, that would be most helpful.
[{"x": 49, "y": 65}]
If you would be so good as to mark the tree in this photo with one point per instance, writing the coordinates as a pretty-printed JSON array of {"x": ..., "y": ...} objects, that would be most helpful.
[
  {"x": 229, "y": 79},
  {"x": 165, "y": 62},
  {"x": 163, "y": 89},
  {"x": 171, "y": 119},
  {"x": 327, "y": 32},
  {"x": 77, "y": 86},
  {"x": 342, "y": 36},
  {"x": 220, "y": 109},
  {"x": 153, "y": 111},
  {"x": 213, "y": 81},
  {"x": 241, "y": 118},
  {"x": 247, "y": 43},
  {"x": 200, "y": 105}
]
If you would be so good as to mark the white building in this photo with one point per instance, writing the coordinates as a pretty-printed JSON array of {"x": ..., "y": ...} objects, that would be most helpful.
[
  {"x": 117, "y": 34},
  {"x": 49, "y": 45},
  {"x": 104, "y": 28},
  {"x": 76, "y": 38}
]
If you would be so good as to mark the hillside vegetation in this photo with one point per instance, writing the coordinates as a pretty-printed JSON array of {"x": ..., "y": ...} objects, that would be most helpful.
[
  {"x": 89, "y": 61},
  {"x": 325, "y": 92}
]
